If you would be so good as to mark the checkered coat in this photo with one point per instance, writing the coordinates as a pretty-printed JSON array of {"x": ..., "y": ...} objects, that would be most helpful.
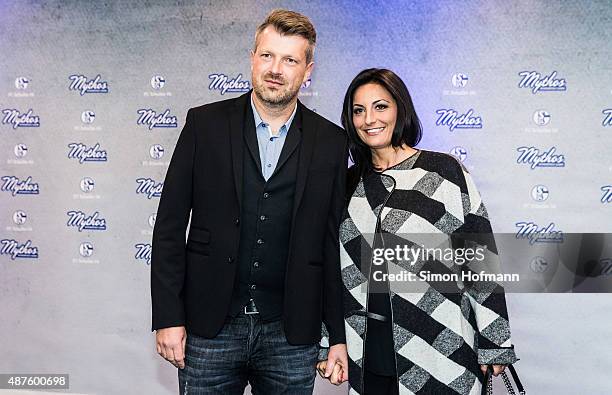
[{"x": 440, "y": 335}]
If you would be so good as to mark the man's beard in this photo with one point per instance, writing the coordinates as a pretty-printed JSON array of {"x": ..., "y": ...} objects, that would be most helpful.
[{"x": 278, "y": 98}]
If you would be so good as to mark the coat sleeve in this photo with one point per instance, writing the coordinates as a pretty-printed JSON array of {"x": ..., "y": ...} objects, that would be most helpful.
[
  {"x": 168, "y": 249},
  {"x": 487, "y": 298},
  {"x": 333, "y": 316}
]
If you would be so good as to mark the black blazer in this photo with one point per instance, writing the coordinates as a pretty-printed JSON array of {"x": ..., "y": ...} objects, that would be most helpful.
[{"x": 192, "y": 282}]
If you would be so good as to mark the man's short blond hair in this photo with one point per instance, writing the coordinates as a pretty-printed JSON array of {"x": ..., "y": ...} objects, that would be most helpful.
[{"x": 290, "y": 23}]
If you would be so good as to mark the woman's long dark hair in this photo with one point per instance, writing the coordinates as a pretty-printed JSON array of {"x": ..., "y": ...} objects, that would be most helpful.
[{"x": 407, "y": 126}]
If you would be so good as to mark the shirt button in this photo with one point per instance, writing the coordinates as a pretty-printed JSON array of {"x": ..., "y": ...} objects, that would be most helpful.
[
  {"x": 271, "y": 138},
  {"x": 253, "y": 287},
  {"x": 269, "y": 164},
  {"x": 260, "y": 241},
  {"x": 255, "y": 264},
  {"x": 263, "y": 218},
  {"x": 266, "y": 195}
]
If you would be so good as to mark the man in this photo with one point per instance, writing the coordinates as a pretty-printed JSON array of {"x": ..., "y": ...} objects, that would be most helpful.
[{"x": 264, "y": 180}]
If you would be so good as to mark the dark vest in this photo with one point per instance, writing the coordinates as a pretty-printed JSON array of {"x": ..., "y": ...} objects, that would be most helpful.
[{"x": 265, "y": 221}]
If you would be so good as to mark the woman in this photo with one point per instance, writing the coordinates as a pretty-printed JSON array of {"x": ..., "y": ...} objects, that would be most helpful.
[{"x": 407, "y": 336}]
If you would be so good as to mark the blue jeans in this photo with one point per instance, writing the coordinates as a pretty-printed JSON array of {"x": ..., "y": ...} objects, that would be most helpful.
[{"x": 247, "y": 351}]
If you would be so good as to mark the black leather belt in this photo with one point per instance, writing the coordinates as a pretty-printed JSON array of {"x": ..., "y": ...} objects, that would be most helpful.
[
  {"x": 250, "y": 308},
  {"x": 369, "y": 314}
]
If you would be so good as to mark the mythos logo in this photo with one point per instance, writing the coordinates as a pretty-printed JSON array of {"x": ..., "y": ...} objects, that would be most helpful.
[
  {"x": 83, "y": 85},
  {"x": 15, "y": 186},
  {"x": 83, "y": 153},
  {"x": 17, "y": 119},
  {"x": 17, "y": 250},
  {"x": 607, "y": 194},
  {"x": 152, "y": 119},
  {"x": 149, "y": 187},
  {"x": 82, "y": 221},
  {"x": 454, "y": 120},
  {"x": 534, "y": 158},
  {"x": 537, "y": 83},
  {"x": 143, "y": 252},
  {"x": 223, "y": 83},
  {"x": 607, "y": 121},
  {"x": 535, "y": 234}
]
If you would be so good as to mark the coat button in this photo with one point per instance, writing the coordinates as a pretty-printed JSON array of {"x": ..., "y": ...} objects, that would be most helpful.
[
  {"x": 255, "y": 264},
  {"x": 230, "y": 260},
  {"x": 263, "y": 218},
  {"x": 253, "y": 287},
  {"x": 260, "y": 241},
  {"x": 266, "y": 195},
  {"x": 237, "y": 221}
]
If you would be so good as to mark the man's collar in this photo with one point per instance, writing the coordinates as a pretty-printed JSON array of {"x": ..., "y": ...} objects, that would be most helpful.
[{"x": 259, "y": 121}]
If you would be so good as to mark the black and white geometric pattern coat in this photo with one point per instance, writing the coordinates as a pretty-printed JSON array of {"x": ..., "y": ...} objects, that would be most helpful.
[{"x": 441, "y": 335}]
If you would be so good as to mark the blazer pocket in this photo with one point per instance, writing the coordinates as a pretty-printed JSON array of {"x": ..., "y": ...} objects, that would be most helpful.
[
  {"x": 321, "y": 171},
  {"x": 198, "y": 241},
  {"x": 199, "y": 235},
  {"x": 198, "y": 248},
  {"x": 317, "y": 264}
]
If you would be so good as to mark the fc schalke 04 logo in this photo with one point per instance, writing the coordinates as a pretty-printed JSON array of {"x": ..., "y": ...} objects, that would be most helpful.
[
  {"x": 88, "y": 116},
  {"x": 86, "y": 249},
  {"x": 541, "y": 117},
  {"x": 157, "y": 82},
  {"x": 22, "y": 83},
  {"x": 156, "y": 151},
  {"x": 20, "y": 217},
  {"x": 20, "y": 150},
  {"x": 459, "y": 80},
  {"x": 87, "y": 184},
  {"x": 152, "y": 219},
  {"x": 459, "y": 153}
]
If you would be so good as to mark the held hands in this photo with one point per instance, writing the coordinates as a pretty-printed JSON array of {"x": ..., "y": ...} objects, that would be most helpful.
[
  {"x": 171, "y": 345},
  {"x": 335, "y": 367},
  {"x": 497, "y": 369}
]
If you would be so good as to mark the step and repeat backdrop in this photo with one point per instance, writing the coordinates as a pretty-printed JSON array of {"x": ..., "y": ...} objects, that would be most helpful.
[{"x": 93, "y": 96}]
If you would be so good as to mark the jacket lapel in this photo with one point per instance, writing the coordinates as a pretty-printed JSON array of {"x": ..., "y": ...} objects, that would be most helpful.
[
  {"x": 308, "y": 137},
  {"x": 292, "y": 141},
  {"x": 305, "y": 126},
  {"x": 237, "y": 119},
  {"x": 250, "y": 135}
]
